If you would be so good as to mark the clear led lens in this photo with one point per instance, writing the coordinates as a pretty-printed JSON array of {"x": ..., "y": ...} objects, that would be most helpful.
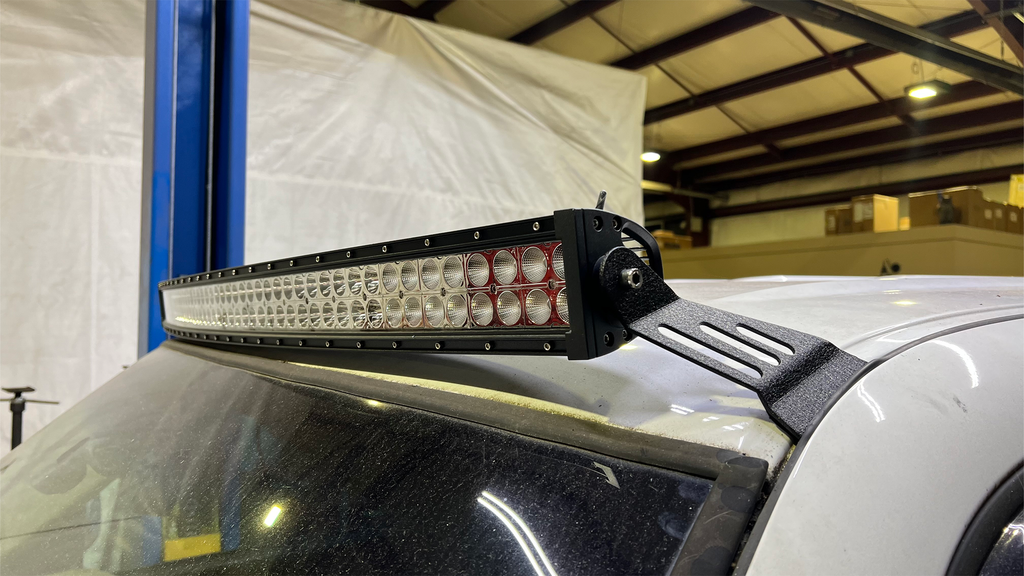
[
  {"x": 374, "y": 313},
  {"x": 250, "y": 292},
  {"x": 394, "y": 312},
  {"x": 562, "y": 305},
  {"x": 325, "y": 283},
  {"x": 303, "y": 316},
  {"x": 457, "y": 313},
  {"x": 289, "y": 316},
  {"x": 433, "y": 309},
  {"x": 558, "y": 262},
  {"x": 538, "y": 306},
  {"x": 286, "y": 285},
  {"x": 279, "y": 317},
  {"x": 389, "y": 277},
  {"x": 430, "y": 274},
  {"x": 358, "y": 314},
  {"x": 341, "y": 316},
  {"x": 505, "y": 267},
  {"x": 340, "y": 285},
  {"x": 314, "y": 315},
  {"x": 278, "y": 289},
  {"x": 479, "y": 271},
  {"x": 261, "y": 317},
  {"x": 299, "y": 282},
  {"x": 413, "y": 312},
  {"x": 355, "y": 282},
  {"x": 312, "y": 286},
  {"x": 371, "y": 280},
  {"x": 509, "y": 309},
  {"x": 535, "y": 264},
  {"x": 268, "y": 290},
  {"x": 258, "y": 290},
  {"x": 327, "y": 315},
  {"x": 410, "y": 277},
  {"x": 454, "y": 277}
]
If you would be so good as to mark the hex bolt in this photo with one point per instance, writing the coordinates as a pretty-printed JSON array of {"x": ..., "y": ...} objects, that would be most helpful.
[
  {"x": 348, "y": 254},
  {"x": 547, "y": 346},
  {"x": 632, "y": 278},
  {"x": 609, "y": 339},
  {"x": 476, "y": 235},
  {"x": 438, "y": 345},
  {"x": 394, "y": 344},
  {"x": 426, "y": 242},
  {"x": 536, "y": 226},
  {"x": 327, "y": 344},
  {"x": 291, "y": 262},
  {"x": 359, "y": 344},
  {"x": 487, "y": 345},
  {"x": 317, "y": 258},
  {"x": 384, "y": 249}
]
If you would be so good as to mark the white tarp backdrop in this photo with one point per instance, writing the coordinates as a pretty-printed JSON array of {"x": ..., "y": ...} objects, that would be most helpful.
[
  {"x": 363, "y": 126},
  {"x": 71, "y": 95}
]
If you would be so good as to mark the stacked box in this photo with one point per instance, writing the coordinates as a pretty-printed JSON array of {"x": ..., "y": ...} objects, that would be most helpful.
[
  {"x": 875, "y": 213},
  {"x": 838, "y": 220}
]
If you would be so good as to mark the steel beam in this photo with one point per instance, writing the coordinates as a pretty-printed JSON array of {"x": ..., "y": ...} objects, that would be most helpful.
[
  {"x": 895, "y": 106},
  {"x": 955, "y": 25},
  {"x": 426, "y": 11},
  {"x": 943, "y": 148},
  {"x": 562, "y": 19},
  {"x": 894, "y": 188},
  {"x": 940, "y": 125},
  {"x": 899, "y": 37},
  {"x": 1009, "y": 28},
  {"x": 193, "y": 182},
  {"x": 687, "y": 41}
]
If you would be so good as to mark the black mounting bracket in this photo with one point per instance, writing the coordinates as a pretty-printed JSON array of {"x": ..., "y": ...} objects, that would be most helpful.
[{"x": 794, "y": 374}]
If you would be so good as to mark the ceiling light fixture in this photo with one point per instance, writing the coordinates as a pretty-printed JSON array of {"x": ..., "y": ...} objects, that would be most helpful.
[
  {"x": 650, "y": 156},
  {"x": 928, "y": 89}
]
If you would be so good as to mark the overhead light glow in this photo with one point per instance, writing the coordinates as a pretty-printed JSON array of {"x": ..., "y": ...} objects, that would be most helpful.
[
  {"x": 272, "y": 515},
  {"x": 928, "y": 89},
  {"x": 650, "y": 156}
]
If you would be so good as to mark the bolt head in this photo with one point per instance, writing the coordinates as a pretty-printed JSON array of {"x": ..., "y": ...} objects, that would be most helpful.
[
  {"x": 547, "y": 346},
  {"x": 487, "y": 345}
]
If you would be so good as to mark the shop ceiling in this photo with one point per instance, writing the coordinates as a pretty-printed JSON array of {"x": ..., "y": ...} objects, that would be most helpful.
[{"x": 740, "y": 94}]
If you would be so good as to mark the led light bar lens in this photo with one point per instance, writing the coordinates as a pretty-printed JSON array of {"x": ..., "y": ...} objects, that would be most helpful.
[
  {"x": 538, "y": 306},
  {"x": 482, "y": 309},
  {"x": 454, "y": 276},
  {"x": 562, "y": 305},
  {"x": 509, "y": 309},
  {"x": 491, "y": 288},
  {"x": 457, "y": 310},
  {"x": 430, "y": 274},
  {"x": 479, "y": 270},
  {"x": 505, "y": 267},
  {"x": 558, "y": 262},
  {"x": 535, "y": 264}
]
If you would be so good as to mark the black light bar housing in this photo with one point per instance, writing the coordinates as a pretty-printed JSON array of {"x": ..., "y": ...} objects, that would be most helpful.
[{"x": 586, "y": 235}]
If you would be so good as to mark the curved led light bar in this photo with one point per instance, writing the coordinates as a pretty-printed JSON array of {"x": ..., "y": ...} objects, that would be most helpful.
[{"x": 506, "y": 288}]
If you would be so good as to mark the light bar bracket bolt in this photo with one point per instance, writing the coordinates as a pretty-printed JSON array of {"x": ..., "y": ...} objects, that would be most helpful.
[{"x": 632, "y": 278}]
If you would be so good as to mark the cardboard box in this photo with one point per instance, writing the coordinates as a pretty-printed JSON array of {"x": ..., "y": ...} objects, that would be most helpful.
[
  {"x": 998, "y": 216},
  {"x": 671, "y": 241},
  {"x": 924, "y": 209},
  {"x": 838, "y": 220},
  {"x": 875, "y": 213},
  {"x": 970, "y": 206},
  {"x": 1015, "y": 219}
]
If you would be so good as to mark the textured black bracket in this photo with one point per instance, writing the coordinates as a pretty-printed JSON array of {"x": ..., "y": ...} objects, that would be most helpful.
[{"x": 793, "y": 392}]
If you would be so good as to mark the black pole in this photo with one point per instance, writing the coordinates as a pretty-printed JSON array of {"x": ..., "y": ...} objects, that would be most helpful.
[{"x": 17, "y": 408}]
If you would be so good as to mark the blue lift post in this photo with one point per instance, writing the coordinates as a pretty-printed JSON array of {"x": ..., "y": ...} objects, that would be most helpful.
[{"x": 193, "y": 191}]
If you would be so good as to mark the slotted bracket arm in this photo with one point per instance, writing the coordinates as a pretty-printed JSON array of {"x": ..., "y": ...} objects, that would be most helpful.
[{"x": 793, "y": 373}]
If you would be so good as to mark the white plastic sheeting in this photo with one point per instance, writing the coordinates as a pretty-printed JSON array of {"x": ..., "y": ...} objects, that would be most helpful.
[
  {"x": 71, "y": 94},
  {"x": 365, "y": 126}
]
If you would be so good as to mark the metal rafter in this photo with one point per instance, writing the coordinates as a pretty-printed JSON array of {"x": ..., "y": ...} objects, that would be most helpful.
[
  {"x": 950, "y": 26},
  {"x": 902, "y": 105},
  {"x": 695, "y": 38},
  {"x": 939, "y": 125},
  {"x": 899, "y": 37},
  {"x": 989, "y": 140},
  {"x": 566, "y": 17},
  {"x": 425, "y": 11},
  {"x": 906, "y": 187},
  {"x": 1009, "y": 28}
]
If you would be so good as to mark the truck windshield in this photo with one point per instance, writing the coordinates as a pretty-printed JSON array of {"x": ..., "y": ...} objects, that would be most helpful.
[{"x": 183, "y": 466}]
